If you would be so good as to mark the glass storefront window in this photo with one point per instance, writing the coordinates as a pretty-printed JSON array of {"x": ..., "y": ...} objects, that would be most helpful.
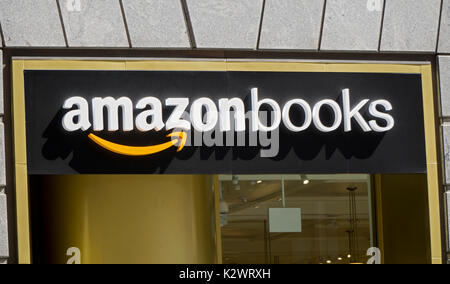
[
  {"x": 335, "y": 213},
  {"x": 241, "y": 219}
]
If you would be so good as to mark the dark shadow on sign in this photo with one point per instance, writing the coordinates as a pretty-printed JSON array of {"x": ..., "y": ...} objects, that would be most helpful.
[
  {"x": 310, "y": 143},
  {"x": 87, "y": 157},
  {"x": 84, "y": 156}
]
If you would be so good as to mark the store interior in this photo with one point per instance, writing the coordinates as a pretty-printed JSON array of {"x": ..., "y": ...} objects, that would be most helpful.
[{"x": 227, "y": 218}]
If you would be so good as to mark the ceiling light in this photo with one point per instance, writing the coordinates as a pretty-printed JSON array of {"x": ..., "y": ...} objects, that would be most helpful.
[
  {"x": 328, "y": 261},
  {"x": 305, "y": 179},
  {"x": 339, "y": 258},
  {"x": 259, "y": 182}
]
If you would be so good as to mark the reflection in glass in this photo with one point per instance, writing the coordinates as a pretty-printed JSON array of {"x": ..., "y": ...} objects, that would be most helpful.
[{"x": 336, "y": 224}]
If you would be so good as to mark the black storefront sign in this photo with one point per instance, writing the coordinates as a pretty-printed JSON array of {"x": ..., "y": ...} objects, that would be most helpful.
[{"x": 381, "y": 130}]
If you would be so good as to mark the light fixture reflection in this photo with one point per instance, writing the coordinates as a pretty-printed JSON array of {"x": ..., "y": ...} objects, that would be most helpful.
[
  {"x": 304, "y": 179},
  {"x": 235, "y": 183}
]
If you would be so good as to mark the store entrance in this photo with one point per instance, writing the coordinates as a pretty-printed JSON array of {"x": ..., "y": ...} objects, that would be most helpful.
[{"x": 230, "y": 219}]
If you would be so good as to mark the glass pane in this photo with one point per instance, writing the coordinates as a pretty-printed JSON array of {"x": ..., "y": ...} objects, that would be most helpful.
[{"x": 335, "y": 216}]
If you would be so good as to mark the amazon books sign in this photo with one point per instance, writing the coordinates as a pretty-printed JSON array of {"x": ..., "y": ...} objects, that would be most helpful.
[{"x": 205, "y": 122}]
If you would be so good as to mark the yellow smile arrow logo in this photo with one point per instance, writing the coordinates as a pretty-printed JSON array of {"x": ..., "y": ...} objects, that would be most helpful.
[{"x": 179, "y": 142}]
